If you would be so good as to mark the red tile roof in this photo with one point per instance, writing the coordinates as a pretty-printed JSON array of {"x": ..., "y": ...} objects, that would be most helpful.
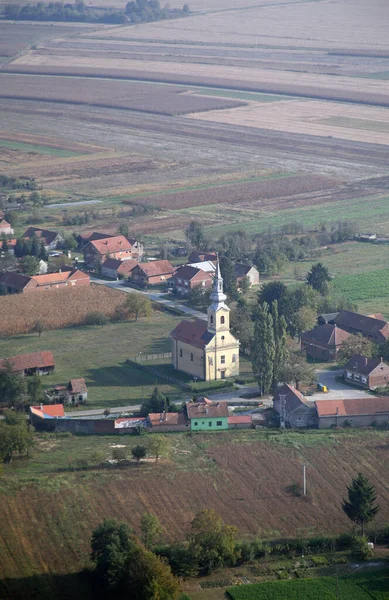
[
  {"x": 43, "y": 234},
  {"x": 187, "y": 272},
  {"x": 121, "y": 266},
  {"x": 208, "y": 410},
  {"x": 111, "y": 244},
  {"x": 161, "y": 419},
  {"x": 34, "y": 360},
  {"x": 353, "y": 407},
  {"x": 77, "y": 386},
  {"x": 329, "y": 335},
  {"x": 239, "y": 419},
  {"x": 193, "y": 332},
  {"x": 157, "y": 267},
  {"x": 65, "y": 275},
  {"x": 50, "y": 410},
  {"x": 4, "y": 224}
]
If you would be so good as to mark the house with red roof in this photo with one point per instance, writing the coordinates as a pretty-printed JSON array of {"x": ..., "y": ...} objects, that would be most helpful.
[
  {"x": 367, "y": 373},
  {"x": 5, "y": 227},
  {"x": 74, "y": 393},
  {"x": 374, "y": 327},
  {"x": 290, "y": 404},
  {"x": 164, "y": 421},
  {"x": 97, "y": 251},
  {"x": 16, "y": 283},
  {"x": 323, "y": 342},
  {"x": 187, "y": 278},
  {"x": 40, "y": 363},
  {"x": 240, "y": 422},
  {"x": 51, "y": 239},
  {"x": 118, "y": 269},
  {"x": 357, "y": 412},
  {"x": 152, "y": 273},
  {"x": 205, "y": 415}
]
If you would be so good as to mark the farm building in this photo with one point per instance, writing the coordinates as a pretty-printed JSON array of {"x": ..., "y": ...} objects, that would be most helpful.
[
  {"x": 358, "y": 412},
  {"x": 207, "y": 349},
  {"x": 298, "y": 411},
  {"x": 51, "y": 239},
  {"x": 240, "y": 422},
  {"x": 15, "y": 283},
  {"x": 205, "y": 415},
  {"x": 5, "y": 227},
  {"x": 152, "y": 273},
  {"x": 40, "y": 363},
  {"x": 195, "y": 257},
  {"x": 84, "y": 238},
  {"x": 116, "y": 269},
  {"x": 368, "y": 373},
  {"x": 242, "y": 271},
  {"x": 75, "y": 392},
  {"x": 96, "y": 251},
  {"x": 175, "y": 421},
  {"x": 206, "y": 265},
  {"x": 323, "y": 342},
  {"x": 375, "y": 329},
  {"x": 186, "y": 278}
]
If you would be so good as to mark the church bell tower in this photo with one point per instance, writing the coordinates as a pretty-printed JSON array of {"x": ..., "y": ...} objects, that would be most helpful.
[{"x": 218, "y": 312}]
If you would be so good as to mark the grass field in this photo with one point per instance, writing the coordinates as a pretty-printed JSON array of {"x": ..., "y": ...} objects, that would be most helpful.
[
  {"x": 366, "y": 586},
  {"x": 99, "y": 353},
  {"x": 365, "y": 286},
  {"x": 36, "y": 149}
]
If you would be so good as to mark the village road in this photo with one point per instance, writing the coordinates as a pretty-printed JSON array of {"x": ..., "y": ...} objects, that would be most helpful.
[
  {"x": 154, "y": 296},
  {"x": 336, "y": 389}
]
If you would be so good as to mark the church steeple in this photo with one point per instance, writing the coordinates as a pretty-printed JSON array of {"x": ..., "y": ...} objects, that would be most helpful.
[
  {"x": 218, "y": 312},
  {"x": 217, "y": 295}
]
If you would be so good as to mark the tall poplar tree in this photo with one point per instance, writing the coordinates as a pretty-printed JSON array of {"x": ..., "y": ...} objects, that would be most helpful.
[
  {"x": 280, "y": 349},
  {"x": 263, "y": 348}
]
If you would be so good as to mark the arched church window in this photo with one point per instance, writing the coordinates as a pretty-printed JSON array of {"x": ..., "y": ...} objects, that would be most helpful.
[{"x": 222, "y": 319}]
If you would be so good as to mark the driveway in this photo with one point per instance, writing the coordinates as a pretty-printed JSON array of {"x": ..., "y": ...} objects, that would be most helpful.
[
  {"x": 337, "y": 390},
  {"x": 154, "y": 296}
]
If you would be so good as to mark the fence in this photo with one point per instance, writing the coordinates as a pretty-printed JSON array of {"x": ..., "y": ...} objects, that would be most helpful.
[{"x": 140, "y": 358}]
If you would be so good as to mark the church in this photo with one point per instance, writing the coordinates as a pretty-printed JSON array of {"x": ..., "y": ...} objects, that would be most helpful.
[{"x": 207, "y": 349}]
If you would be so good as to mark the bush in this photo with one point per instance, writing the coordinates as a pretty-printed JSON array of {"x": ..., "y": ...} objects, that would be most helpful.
[
  {"x": 119, "y": 454},
  {"x": 360, "y": 548},
  {"x": 96, "y": 318},
  {"x": 344, "y": 541},
  {"x": 81, "y": 463},
  {"x": 319, "y": 561},
  {"x": 244, "y": 553}
]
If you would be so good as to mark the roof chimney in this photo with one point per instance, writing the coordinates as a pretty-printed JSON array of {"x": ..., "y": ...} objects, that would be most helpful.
[
  {"x": 41, "y": 406},
  {"x": 365, "y": 360},
  {"x": 381, "y": 359}
]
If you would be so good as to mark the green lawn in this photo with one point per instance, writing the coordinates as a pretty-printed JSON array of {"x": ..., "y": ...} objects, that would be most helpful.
[
  {"x": 99, "y": 353},
  {"x": 365, "y": 286},
  {"x": 362, "y": 586},
  {"x": 23, "y": 147}
]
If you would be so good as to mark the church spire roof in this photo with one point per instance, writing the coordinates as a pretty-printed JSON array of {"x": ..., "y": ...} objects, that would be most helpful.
[{"x": 218, "y": 296}]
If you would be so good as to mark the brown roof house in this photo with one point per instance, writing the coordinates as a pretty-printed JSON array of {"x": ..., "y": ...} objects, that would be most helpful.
[
  {"x": 5, "y": 227},
  {"x": 152, "y": 273},
  {"x": 51, "y": 239},
  {"x": 207, "y": 349},
  {"x": 186, "y": 278},
  {"x": 242, "y": 271},
  {"x": 196, "y": 256},
  {"x": 74, "y": 393},
  {"x": 175, "y": 421},
  {"x": 292, "y": 407},
  {"x": 368, "y": 373},
  {"x": 323, "y": 342},
  {"x": 205, "y": 415},
  {"x": 40, "y": 363},
  {"x": 16, "y": 283},
  {"x": 96, "y": 251},
  {"x": 358, "y": 412},
  {"x": 374, "y": 329},
  {"x": 118, "y": 269}
]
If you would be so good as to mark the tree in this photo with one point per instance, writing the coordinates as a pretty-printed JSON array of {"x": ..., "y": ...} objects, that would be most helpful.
[
  {"x": 360, "y": 506},
  {"x": 280, "y": 348},
  {"x": 159, "y": 445},
  {"x": 29, "y": 265},
  {"x": 38, "y": 327},
  {"x": 119, "y": 454},
  {"x": 157, "y": 403},
  {"x": 227, "y": 270},
  {"x": 211, "y": 541},
  {"x": 263, "y": 348},
  {"x": 296, "y": 370},
  {"x": 304, "y": 319},
  {"x": 12, "y": 386},
  {"x": 245, "y": 285},
  {"x": 4, "y": 246},
  {"x": 111, "y": 542},
  {"x": 15, "y": 436},
  {"x": 138, "y": 305},
  {"x": 151, "y": 529},
  {"x": 356, "y": 344},
  {"x": 35, "y": 246},
  {"x": 274, "y": 290},
  {"x": 242, "y": 325},
  {"x": 195, "y": 235},
  {"x": 123, "y": 230},
  {"x": 318, "y": 277},
  {"x": 34, "y": 389},
  {"x": 138, "y": 452},
  {"x": 19, "y": 248}
]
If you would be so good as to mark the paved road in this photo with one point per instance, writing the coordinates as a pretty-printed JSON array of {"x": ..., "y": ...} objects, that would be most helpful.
[
  {"x": 337, "y": 390},
  {"x": 73, "y": 203},
  {"x": 155, "y": 297}
]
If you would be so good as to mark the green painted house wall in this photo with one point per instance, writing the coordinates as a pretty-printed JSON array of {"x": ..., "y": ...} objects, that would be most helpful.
[{"x": 209, "y": 423}]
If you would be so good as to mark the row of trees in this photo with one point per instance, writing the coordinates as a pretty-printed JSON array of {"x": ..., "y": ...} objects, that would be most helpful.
[
  {"x": 126, "y": 565},
  {"x": 26, "y": 247},
  {"x": 57, "y": 11},
  {"x": 18, "y": 183}
]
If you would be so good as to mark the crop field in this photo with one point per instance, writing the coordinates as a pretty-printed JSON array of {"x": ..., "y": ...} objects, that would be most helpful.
[
  {"x": 98, "y": 354},
  {"x": 166, "y": 100},
  {"x": 366, "y": 586},
  {"x": 232, "y": 472},
  {"x": 370, "y": 286},
  {"x": 56, "y": 308}
]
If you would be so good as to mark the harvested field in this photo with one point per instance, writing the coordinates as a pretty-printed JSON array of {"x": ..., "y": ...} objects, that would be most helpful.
[
  {"x": 47, "y": 143},
  {"x": 166, "y": 100},
  {"x": 56, "y": 308},
  {"x": 255, "y": 193},
  {"x": 231, "y": 472},
  {"x": 311, "y": 117}
]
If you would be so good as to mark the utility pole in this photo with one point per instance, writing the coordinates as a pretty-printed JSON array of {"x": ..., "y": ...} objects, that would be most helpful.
[
  {"x": 282, "y": 411},
  {"x": 305, "y": 480}
]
